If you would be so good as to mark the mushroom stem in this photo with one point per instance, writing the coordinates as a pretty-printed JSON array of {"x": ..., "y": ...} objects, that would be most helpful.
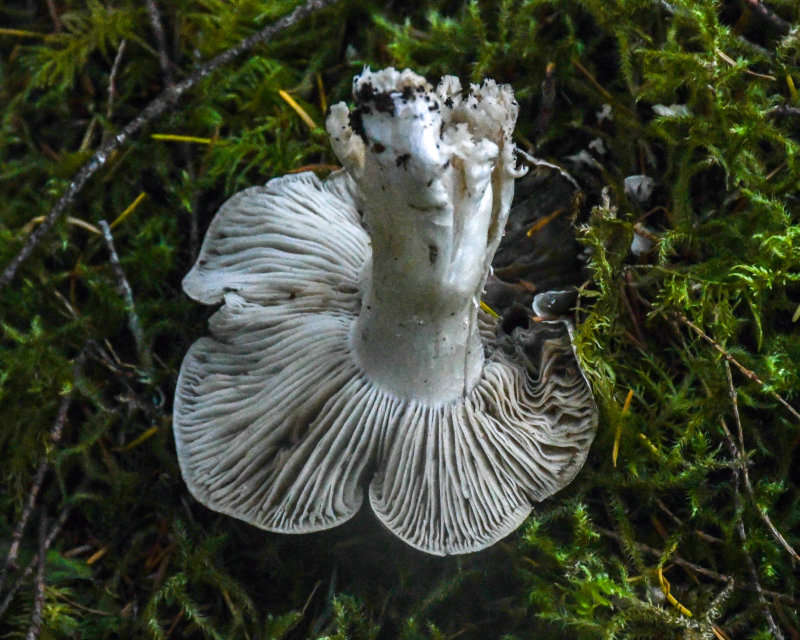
[
  {"x": 435, "y": 175},
  {"x": 419, "y": 351}
]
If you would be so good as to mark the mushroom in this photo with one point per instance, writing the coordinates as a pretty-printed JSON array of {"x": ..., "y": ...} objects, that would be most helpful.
[{"x": 350, "y": 349}]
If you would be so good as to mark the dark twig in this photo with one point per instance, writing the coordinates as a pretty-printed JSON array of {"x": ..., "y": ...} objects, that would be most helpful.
[
  {"x": 19, "y": 530},
  {"x": 784, "y": 110},
  {"x": 57, "y": 24},
  {"x": 740, "y": 455},
  {"x": 38, "y": 600},
  {"x": 112, "y": 79},
  {"x": 750, "y": 375},
  {"x": 43, "y": 549},
  {"x": 738, "y": 452},
  {"x": 55, "y": 435},
  {"x": 305, "y": 607},
  {"x": 186, "y": 153},
  {"x": 161, "y": 42},
  {"x": 194, "y": 232},
  {"x": 767, "y": 15},
  {"x": 603, "y": 91},
  {"x": 750, "y": 564},
  {"x": 794, "y": 633},
  {"x": 679, "y": 522},
  {"x": 126, "y": 293},
  {"x": 639, "y": 337},
  {"x": 548, "y": 98},
  {"x": 164, "y": 102},
  {"x": 713, "y": 575}
]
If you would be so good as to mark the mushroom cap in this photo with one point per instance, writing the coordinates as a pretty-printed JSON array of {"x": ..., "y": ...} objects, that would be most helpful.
[{"x": 276, "y": 424}]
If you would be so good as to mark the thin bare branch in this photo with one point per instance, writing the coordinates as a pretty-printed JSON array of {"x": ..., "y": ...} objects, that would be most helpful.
[
  {"x": 55, "y": 436},
  {"x": 770, "y": 17},
  {"x": 708, "y": 573},
  {"x": 784, "y": 110},
  {"x": 739, "y": 453},
  {"x": 126, "y": 293},
  {"x": 776, "y": 633},
  {"x": 161, "y": 41},
  {"x": 194, "y": 232},
  {"x": 548, "y": 98},
  {"x": 57, "y": 24},
  {"x": 43, "y": 549},
  {"x": 747, "y": 372},
  {"x": 19, "y": 530},
  {"x": 38, "y": 599},
  {"x": 163, "y": 103},
  {"x": 112, "y": 79}
]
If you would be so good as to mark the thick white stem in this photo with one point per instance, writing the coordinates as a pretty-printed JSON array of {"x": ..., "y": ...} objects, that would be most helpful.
[
  {"x": 435, "y": 186},
  {"x": 419, "y": 354}
]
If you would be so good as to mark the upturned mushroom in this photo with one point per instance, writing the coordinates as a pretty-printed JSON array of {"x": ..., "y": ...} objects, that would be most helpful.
[{"x": 350, "y": 350}]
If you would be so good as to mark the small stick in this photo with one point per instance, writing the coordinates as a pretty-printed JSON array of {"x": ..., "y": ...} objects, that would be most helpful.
[
  {"x": 55, "y": 435},
  {"x": 548, "y": 98},
  {"x": 714, "y": 575},
  {"x": 57, "y": 24},
  {"x": 743, "y": 464},
  {"x": 767, "y": 15},
  {"x": 161, "y": 42},
  {"x": 41, "y": 554},
  {"x": 194, "y": 232},
  {"x": 38, "y": 601},
  {"x": 112, "y": 79},
  {"x": 747, "y": 373},
  {"x": 737, "y": 500},
  {"x": 783, "y": 110},
  {"x": 165, "y": 101},
  {"x": 679, "y": 522},
  {"x": 786, "y": 623},
  {"x": 602, "y": 90},
  {"x": 642, "y": 343},
  {"x": 126, "y": 293},
  {"x": 752, "y": 565},
  {"x": 19, "y": 530}
]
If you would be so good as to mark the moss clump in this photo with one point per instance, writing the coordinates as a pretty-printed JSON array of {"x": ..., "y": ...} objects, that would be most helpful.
[{"x": 699, "y": 96}]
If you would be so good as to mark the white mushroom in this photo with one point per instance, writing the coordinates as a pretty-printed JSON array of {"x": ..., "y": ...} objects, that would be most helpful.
[{"x": 350, "y": 349}]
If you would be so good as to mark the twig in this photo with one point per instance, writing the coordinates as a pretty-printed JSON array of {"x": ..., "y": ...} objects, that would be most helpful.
[
  {"x": 700, "y": 534},
  {"x": 783, "y": 110},
  {"x": 194, "y": 232},
  {"x": 126, "y": 293},
  {"x": 43, "y": 549},
  {"x": 112, "y": 79},
  {"x": 740, "y": 455},
  {"x": 602, "y": 90},
  {"x": 714, "y": 575},
  {"x": 737, "y": 503},
  {"x": 55, "y": 435},
  {"x": 639, "y": 338},
  {"x": 19, "y": 530},
  {"x": 305, "y": 607},
  {"x": 165, "y": 101},
  {"x": 752, "y": 565},
  {"x": 548, "y": 98},
  {"x": 161, "y": 43},
  {"x": 767, "y": 15},
  {"x": 794, "y": 633},
  {"x": 38, "y": 600},
  {"x": 747, "y": 372},
  {"x": 57, "y": 24}
]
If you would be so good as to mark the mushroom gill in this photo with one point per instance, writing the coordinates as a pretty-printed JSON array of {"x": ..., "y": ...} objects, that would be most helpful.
[{"x": 350, "y": 336}]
